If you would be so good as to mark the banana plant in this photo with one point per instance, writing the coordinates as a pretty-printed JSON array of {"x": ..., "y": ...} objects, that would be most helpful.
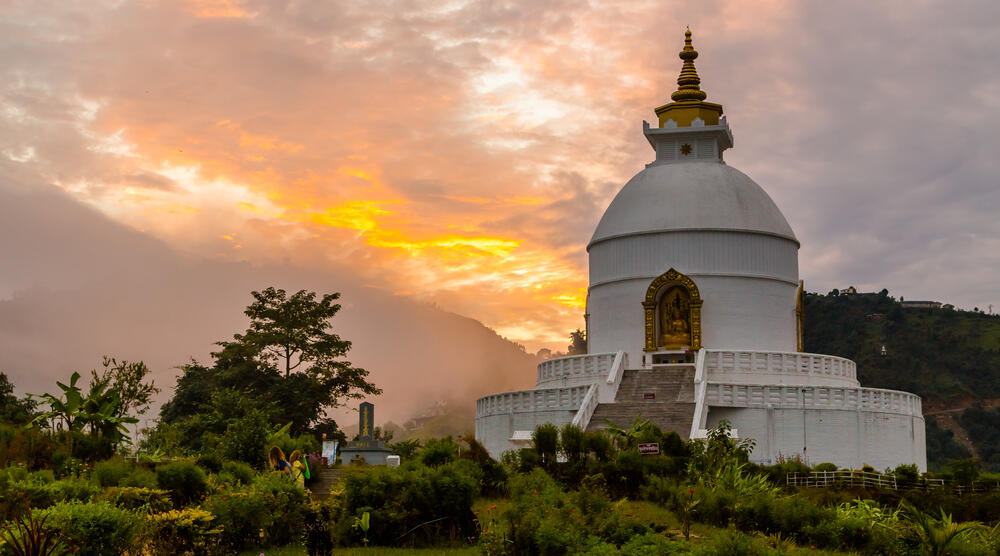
[{"x": 65, "y": 408}]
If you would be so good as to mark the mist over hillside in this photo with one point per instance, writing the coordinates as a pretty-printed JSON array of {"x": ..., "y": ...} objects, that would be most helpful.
[{"x": 76, "y": 286}]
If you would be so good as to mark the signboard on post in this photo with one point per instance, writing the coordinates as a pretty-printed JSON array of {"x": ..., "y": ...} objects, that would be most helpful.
[{"x": 649, "y": 449}]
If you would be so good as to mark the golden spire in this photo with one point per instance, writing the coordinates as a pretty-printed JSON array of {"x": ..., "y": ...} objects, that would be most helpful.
[
  {"x": 688, "y": 80},
  {"x": 689, "y": 100}
]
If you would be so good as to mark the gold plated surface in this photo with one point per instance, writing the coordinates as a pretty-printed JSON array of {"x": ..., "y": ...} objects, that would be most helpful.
[
  {"x": 689, "y": 100},
  {"x": 672, "y": 312}
]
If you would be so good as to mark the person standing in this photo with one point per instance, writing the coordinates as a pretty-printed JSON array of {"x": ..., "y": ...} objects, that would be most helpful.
[{"x": 298, "y": 468}]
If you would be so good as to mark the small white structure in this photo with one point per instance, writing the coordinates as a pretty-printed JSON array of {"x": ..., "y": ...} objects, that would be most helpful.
[{"x": 694, "y": 315}]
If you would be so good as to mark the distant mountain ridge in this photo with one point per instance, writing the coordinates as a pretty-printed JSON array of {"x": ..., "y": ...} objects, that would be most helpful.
[{"x": 950, "y": 358}]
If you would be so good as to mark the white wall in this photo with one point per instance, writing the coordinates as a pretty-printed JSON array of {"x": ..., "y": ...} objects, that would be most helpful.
[
  {"x": 847, "y": 438},
  {"x": 747, "y": 281},
  {"x": 494, "y": 431}
]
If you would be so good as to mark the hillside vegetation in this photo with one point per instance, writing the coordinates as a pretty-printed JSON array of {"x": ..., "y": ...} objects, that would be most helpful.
[{"x": 950, "y": 358}]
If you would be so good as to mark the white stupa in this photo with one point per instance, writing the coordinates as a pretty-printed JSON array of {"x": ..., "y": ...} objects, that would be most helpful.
[{"x": 694, "y": 315}]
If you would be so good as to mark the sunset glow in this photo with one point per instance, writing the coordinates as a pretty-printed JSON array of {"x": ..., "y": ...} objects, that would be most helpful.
[{"x": 458, "y": 152}]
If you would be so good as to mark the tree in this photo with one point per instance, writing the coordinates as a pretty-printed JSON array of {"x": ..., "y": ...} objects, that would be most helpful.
[
  {"x": 128, "y": 379},
  {"x": 286, "y": 364},
  {"x": 578, "y": 342},
  {"x": 13, "y": 409},
  {"x": 292, "y": 331}
]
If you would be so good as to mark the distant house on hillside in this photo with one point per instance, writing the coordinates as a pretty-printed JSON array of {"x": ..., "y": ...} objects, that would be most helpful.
[
  {"x": 948, "y": 306},
  {"x": 849, "y": 290},
  {"x": 922, "y": 304}
]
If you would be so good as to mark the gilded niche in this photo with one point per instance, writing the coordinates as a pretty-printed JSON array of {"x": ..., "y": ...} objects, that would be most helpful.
[{"x": 673, "y": 313}]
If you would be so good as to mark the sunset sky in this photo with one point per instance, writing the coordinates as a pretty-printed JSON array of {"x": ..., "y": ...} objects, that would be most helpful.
[{"x": 461, "y": 152}]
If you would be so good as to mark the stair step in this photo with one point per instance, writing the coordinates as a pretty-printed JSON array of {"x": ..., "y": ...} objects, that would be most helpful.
[{"x": 664, "y": 395}]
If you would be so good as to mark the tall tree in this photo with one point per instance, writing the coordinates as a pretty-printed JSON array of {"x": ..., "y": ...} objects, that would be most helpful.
[
  {"x": 292, "y": 331},
  {"x": 287, "y": 364}
]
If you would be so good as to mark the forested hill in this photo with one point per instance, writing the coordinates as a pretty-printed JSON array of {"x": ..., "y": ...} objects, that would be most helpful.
[{"x": 950, "y": 358}]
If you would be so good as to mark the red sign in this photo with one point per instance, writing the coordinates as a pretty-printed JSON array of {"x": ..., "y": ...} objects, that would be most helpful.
[
  {"x": 649, "y": 396},
  {"x": 650, "y": 449}
]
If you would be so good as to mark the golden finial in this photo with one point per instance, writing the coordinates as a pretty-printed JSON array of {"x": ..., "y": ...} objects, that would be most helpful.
[
  {"x": 688, "y": 81},
  {"x": 689, "y": 104}
]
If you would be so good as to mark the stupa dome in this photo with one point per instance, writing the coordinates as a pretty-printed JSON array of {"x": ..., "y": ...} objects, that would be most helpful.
[{"x": 691, "y": 196}]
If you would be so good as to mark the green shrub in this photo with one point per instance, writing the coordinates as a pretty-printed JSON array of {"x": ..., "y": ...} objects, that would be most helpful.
[
  {"x": 246, "y": 438},
  {"x": 732, "y": 542},
  {"x": 543, "y": 519},
  {"x": 598, "y": 444},
  {"x": 110, "y": 472},
  {"x": 181, "y": 531},
  {"x": 287, "y": 502},
  {"x": 137, "y": 498},
  {"x": 209, "y": 461},
  {"x": 140, "y": 477},
  {"x": 94, "y": 528},
  {"x": 185, "y": 481},
  {"x": 545, "y": 441},
  {"x": 42, "y": 495},
  {"x": 626, "y": 474},
  {"x": 907, "y": 473},
  {"x": 438, "y": 451},
  {"x": 241, "y": 472},
  {"x": 826, "y": 467},
  {"x": 401, "y": 499},
  {"x": 318, "y": 534},
  {"x": 650, "y": 543},
  {"x": 241, "y": 516},
  {"x": 571, "y": 441}
]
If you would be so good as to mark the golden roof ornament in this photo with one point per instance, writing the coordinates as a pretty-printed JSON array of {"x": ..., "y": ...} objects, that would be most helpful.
[
  {"x": 688, "y": 81},
  {"x": 688, "y": 106}
]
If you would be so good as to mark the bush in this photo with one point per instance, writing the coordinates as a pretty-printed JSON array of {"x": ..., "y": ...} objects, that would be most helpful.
[
  {"x": 209, "y": 461},
  {"x": 543, "y": 519},
  {"x": 317, "y": 534},
  {"x": 287, "y": 504},
  {"x": 94, "y": 528},
  {"x": 185, "y": 481},
  {"x": 401, "y": 499},
  {"x": 181, "y": 531},
  {"x": 42, "y": 495},
  {"x": 545, "y": 441},
  {"x": 246, "y": 438},
  {"x": 241, "y": 516},
  {"x": 140, "y": 477},
  {"x": 240, "y": 472},
  {"x": 438, "y": 451},
  {"x": 137, "y": 498},
  {"x": 110, "y": 472},
  {"x": 825, "y": 467}
]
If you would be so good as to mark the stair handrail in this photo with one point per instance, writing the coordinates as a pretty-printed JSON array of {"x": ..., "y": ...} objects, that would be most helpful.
[
  {"x": 587, "y": 408},
  {"x": 614, "y": 380},
  {"x": 700, "y": 388}
]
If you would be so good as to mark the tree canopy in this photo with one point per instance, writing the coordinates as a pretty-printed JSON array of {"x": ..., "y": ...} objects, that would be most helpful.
[{"x": 287, "y": 367}]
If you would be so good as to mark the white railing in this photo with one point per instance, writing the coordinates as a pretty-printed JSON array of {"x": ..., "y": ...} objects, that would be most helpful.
[
  {"x": 614, "y": 380},
  {"x": 730, "y": 366},
  {"x": 591, "y": 365},
  {"x": 587, "y": 408},
  {"x": 812, "y": 397},
  {"x": 569, "y": 399},
  {"x": 700, "y": 388}
]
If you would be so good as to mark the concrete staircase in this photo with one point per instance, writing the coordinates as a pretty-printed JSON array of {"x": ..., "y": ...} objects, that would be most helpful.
[
  {"x": 324, "y": 480},
  {"x": 663, "y": 394}
]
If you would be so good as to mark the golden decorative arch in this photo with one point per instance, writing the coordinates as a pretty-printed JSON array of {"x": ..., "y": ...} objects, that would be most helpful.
[{"x": 673, "y": 313}]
